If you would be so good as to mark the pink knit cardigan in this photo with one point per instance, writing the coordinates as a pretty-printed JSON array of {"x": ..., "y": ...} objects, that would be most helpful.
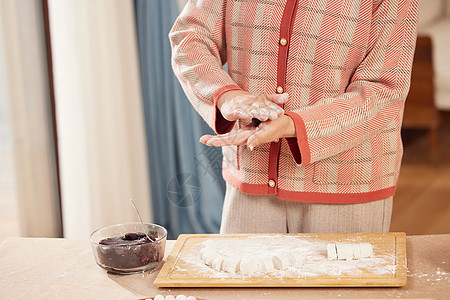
[{"x": 346, "y": 66}]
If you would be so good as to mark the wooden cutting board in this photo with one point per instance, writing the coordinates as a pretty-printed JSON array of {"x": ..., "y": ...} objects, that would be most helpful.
[{"x": 387, "y": 266}]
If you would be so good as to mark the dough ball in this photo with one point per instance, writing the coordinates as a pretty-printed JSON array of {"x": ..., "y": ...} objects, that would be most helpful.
[
  {"x": 180, "y": 297},
  {"x": 231, "y": 264},
  {"x": 158, "y": 297},
  {"x": 280, "y": 261},
  {"x": 248, "y": 265},
  {"x": 265, "y": 263},
  {"x": 170, "y": 297}
]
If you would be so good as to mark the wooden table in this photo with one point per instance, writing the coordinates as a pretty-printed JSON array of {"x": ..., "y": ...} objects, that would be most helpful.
[{"x": 33, "y": 268}]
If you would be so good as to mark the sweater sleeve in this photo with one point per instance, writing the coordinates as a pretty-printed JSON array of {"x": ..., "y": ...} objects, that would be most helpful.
[
  {"x": 198, "y": 55},
  {"x": 375, "y": 95}
]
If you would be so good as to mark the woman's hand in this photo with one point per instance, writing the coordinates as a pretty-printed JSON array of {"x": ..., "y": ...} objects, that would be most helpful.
[
  {"x": 251, "y": 136},
  {"x": 241, "y": 105}
]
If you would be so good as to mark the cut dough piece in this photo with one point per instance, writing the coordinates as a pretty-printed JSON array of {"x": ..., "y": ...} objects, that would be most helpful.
[
  {"x": 280, "y": 261},
  {"x": 356, "y": 251},
  {"x": 203, "y": 250},
  {"x": 331, "y": 251},
  {"x": 295, "y": 258},
  {"x": 349, "y": 251},
  {"x": 366, "y": 250},
  {"x": 265, "y": 263},
  {"x": 203, "y": 254},
  {"x": 217, "y": 263},
  {"x": 340, "y": 251},
  {"x": 248, "y": 265},
  {"x": 344, "y": 251},
  {"x": 209, "y": 256},
  {"x": 231, "y": 264},
  {"x": 180, "y": 297},
  {"x": 159, "y": 297}
]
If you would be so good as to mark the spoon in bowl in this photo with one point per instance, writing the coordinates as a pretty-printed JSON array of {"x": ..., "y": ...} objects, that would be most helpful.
[{"x": 140, "y": 220}]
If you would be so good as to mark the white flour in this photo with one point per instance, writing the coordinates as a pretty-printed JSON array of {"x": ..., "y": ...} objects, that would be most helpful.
[
  {"x": 434, "y": 278},
  {"x": 313, "y": 249}
]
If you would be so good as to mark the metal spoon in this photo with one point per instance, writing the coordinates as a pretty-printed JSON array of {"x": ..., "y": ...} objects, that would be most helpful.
[{"x": 140, "y": 220}]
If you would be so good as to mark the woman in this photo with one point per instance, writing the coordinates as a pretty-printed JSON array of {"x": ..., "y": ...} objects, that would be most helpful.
[{"x": 328, "y": 80}]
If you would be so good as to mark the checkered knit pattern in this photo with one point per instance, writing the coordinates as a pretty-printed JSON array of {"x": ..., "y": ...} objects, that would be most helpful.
[{"x": 346, "y": 66}]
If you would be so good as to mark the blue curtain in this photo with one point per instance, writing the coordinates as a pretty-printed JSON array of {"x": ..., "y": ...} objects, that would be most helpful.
[{"x": 186, "y": 184}]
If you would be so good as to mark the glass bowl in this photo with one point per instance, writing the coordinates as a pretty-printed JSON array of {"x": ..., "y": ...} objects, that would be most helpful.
[{"x": 125, "y": 249}]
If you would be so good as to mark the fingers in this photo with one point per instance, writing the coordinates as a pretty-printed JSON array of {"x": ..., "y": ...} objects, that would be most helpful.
[
  {"x": 251, "y": 136},
  {"x": 237, "y": 138},
  {"x": 273, "y": 115},
  {"x": 205, "y": 138},
  {"x": 266, "y": 133},
  {"x": 242, "y": 115},
  {"x": 271, "y": 104},
  {"x": 261, "y": 114},
  {"x": 247, "y": 106},
  {"x": 255, "y": 139},
  {"x": 278, "y": 98}
]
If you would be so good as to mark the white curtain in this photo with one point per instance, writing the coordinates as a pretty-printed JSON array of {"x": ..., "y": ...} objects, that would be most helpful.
[
  {"x": 181, "y": 4},
  {"x": 25, "y": 85},
  {"x": 99, "y": 114}
]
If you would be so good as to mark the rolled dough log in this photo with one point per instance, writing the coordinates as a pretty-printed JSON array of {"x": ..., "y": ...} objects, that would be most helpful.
[
  {"x": 349, "y": 251},
  {"x": 344, "y": 251}
]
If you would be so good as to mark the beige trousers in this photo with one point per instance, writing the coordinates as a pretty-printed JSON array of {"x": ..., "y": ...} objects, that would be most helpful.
[{"x": 246, "y": 213}]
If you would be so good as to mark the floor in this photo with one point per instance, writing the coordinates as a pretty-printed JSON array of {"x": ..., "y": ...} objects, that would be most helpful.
[{"x": 422, "y": 200}]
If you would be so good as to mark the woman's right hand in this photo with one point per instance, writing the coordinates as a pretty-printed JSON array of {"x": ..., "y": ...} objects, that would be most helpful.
[{"x": 242, "y": 105}]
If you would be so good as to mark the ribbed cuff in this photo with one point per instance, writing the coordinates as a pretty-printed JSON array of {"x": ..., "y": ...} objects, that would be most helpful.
[
  {"x": 299, "y": 145},
  {"x": 221, "y": 125}
]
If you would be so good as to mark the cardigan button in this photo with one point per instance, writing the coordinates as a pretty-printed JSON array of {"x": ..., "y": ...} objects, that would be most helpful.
[
  {"x": 283, "y": 42},
  {"x": 272, "y": 183},
  {"x": 277, "y": 140},
  {"x": 280, "y": 90}
]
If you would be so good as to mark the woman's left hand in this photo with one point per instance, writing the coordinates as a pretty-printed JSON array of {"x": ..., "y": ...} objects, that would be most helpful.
[{"x": 266, "y": 132}]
